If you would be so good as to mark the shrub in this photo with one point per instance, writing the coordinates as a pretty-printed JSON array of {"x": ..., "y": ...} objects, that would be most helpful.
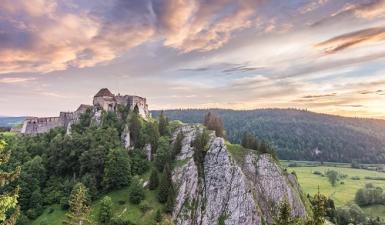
[{"x": 318, "y": 173}]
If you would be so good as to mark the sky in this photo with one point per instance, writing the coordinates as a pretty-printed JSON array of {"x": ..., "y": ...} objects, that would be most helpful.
[{"x": 322, "y": 55}]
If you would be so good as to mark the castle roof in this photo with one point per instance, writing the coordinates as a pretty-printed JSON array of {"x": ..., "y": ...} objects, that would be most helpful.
[{"x": 104, "y": 92}]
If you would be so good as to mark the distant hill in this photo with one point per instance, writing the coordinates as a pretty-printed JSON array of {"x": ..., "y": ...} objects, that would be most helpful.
[
  {"x": 10, "y": 121},
  {"x": 302, "y": 135}
]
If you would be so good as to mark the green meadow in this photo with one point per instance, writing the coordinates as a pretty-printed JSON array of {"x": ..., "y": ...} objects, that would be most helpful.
[
  {"x": 142, "y": 214},
  {"x": 344, "y": 192}
]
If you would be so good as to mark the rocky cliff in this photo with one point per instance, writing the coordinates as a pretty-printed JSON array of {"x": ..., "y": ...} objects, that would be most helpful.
[{"x": 237, "y": 188}]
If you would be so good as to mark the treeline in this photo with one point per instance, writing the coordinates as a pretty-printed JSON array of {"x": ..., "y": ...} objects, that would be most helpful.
[
  {"x": 299, "y": 134},
  {"x": 73, "y": 170}
]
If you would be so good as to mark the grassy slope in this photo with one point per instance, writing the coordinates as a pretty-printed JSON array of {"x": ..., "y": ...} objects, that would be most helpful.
[
  {"x": 127, "y": 210},
  {"x": 343, "y": 193}
]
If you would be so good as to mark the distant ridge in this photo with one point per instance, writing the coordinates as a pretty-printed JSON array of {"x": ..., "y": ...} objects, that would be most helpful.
[
  {"x": 6, "y": 121},
  {"x": 301, "y": 134}
]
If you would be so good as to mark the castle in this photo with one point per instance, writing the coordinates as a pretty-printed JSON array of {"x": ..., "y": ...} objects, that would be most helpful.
[{"x": 103, "y": 100}]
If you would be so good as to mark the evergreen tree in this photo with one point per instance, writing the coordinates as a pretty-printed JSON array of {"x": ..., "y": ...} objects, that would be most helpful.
[
  {"x": 284, "y": 216},
  {"x": 163, "y": 125},
  {"x": 318, "y": 208},
  {"x": 158, "y": 216},
  {"x": 105, "y": 211},
  {"x": 136, "y": 192},
  {"x": 164, "y": 184},
  {"x": 152, "y": 136},
  {"x": 177, "y": 147},
  {"x": 169, "y": 207},
  {"x": 154, "y": 180},
  {"x": 162, "y": 155},
  {"x": 117, "y": 172},
  {"x": 79, "y": 210},
  {"x": 135, "y": 129},
  {"x": 8, "y": 200}
]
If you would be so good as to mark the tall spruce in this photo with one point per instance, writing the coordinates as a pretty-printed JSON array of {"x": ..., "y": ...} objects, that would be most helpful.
[
  {"x": 164, "y": 184},
  {"x": 105, "y": 211},
  {"x": 163, "y": 125},
  {"x": 8, "y": 200},
  {"x": 177, "y": 147},
  {"x": 135, "y": 128},
  {"x": 162, "y": 155},
  {"x": 117, "y": 172},
  {"x": 318, "y": 208},
  {"x": 79, "y": 210},
  {"x": 284, "y": 216},
  {"x": 154, "y": 180}
]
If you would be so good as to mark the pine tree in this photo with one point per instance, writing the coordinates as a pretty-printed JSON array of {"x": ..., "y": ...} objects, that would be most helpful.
[
  {"x": 8, "y": 201},
  {"x": 162, "y": 155},
  {"x": 105, "y": 211},
  {"x": 154, "y": 180},
  {"x": 318, "y": 208},
  {"x": 164, "y": 184},
  {"x": 117, "y": 172},
  {"x": 169, "y": 207},
  {"x": 284, "y": 216},
  {"x": 79, "y": 211},
  {"x": 177, "y": 145},
  {"x": 136, "y": 192},
  {"x": 158, "y": 216},
  {"x": 163, "y": 125},
  {"x": 135, "y": 128}
]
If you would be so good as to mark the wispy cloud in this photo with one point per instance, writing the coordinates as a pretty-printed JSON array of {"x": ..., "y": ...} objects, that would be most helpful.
[
  {"x": 15, "y": 80},
  {"x": 349, "y": 40}
]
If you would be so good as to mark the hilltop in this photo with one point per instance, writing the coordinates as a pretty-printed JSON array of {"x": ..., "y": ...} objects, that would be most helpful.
[{"x": 300, "y": 134}]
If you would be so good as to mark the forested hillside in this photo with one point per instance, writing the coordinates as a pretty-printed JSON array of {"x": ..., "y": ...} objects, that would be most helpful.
[{"x": 301, "y": 135}]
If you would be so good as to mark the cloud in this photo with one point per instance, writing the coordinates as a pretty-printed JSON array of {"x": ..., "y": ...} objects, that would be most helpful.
[
  {"x": 361, "y": 37},
  {"x": 203, "y": 25},
  {"x": 56, "y": 38},
  {"x": 14, "y": 80},
  {"x": 319, "y": 96},
  {"x": 369, "y": 9}
]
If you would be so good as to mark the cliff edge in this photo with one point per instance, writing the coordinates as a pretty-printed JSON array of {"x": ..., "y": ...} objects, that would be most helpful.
[{"x": 231, "y": 189}]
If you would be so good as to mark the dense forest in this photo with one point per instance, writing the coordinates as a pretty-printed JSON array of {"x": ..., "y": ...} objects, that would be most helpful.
[
  {"x": 74, "y": 170},
  {"x": 299, "y": 134}
]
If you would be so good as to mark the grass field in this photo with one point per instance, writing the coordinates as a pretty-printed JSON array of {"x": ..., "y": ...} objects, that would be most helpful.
[
  {"x": 142, "y": 214},
  {"x": 342, "y": 194}
]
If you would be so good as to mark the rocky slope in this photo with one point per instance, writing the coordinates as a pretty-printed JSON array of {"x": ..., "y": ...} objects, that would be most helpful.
[{"x": 235, "y": 192}]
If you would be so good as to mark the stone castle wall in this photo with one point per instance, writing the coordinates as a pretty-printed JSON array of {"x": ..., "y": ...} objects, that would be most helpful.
[{"x": 109, "y": 102}]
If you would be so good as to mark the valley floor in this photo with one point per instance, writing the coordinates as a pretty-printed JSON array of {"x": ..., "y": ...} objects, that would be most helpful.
[{"x": 344, "y": 192}]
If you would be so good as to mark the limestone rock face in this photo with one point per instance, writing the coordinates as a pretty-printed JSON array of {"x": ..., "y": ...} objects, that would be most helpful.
[{"x": 238, "y": 193}]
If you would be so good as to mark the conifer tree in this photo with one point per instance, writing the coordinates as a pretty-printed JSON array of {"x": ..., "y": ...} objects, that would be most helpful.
[
  {"x": 135, "y": 128},
  {"x": 8, "y": 201},
  {"x": 163, "y": 125},
  {"x": 318, "y": 208},
  {"x": 154, "y": 180},
  {"x": 136, "y": 192},
  {"x": 105, "y": 211},
  {"x": 79, "y": 211},
  {"x": 284, "y": 216},
  {"x": 169, "y": 207},
  {"x": 117, "y": 172},
  {"x": 177, "y": 145},
  {"x": 164, "y": 184}
]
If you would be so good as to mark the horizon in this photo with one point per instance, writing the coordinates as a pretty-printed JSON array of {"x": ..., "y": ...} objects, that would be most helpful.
[{"x": 320, "y": 55}]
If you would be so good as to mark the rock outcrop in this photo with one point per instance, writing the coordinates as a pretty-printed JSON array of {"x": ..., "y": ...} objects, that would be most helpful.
[{"x": 234, "y": 192}]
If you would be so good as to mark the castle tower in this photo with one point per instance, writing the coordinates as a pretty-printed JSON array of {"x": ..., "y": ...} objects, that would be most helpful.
[{"x": 105, "y": 100}]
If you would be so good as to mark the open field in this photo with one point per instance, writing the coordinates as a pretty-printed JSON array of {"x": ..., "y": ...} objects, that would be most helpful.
[{"x": 345, "y": 190}]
